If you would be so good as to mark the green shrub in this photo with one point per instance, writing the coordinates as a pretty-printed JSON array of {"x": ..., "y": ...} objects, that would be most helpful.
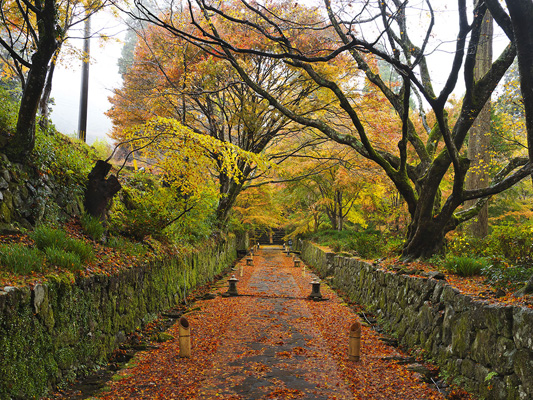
[
  {"x": 93, "y": 227},
  {"x": 460, "y": 244},
  {"x": 367, "y": 244},
  {"x": 8, "y": 111},
  {"x": 465, "y": 266},
  {"x": 512, "y": 242},
  {"x": 63, "y": 259},
  {"x": 507, "y": 277},
  {"x": 21, "y": 259}
]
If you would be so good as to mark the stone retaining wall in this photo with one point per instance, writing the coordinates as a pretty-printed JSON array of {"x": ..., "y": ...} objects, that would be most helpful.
[
  {"x": 59, "y": 330},
  {"x": 488, "y": 348},
  {"x": 29, "y": 197}
]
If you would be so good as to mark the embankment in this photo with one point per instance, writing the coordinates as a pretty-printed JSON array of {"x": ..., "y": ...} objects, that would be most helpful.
[
  {"x": 54, "y": 332},
  {"x": 487, "y": 348}
]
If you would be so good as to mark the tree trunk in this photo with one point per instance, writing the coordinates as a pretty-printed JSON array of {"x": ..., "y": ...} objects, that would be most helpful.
[
  {"x": 100, "y": 190},
  {"x": 424, "y": 240},
  {"x": 332, "y": 215},
  {"x": 229, "y": 190},
  {"x": 521, "y": 12},
  {"x": 479, "y": 134},
  {"x": 340, "y": 219},
  {"x": 22, "y": 143},
  {"x": 44, "y": 109}
]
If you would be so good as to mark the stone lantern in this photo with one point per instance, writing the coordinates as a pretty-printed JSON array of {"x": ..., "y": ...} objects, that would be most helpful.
[
  {"x": 315, "y": 290},
  {"x": 232, "y": 290}
]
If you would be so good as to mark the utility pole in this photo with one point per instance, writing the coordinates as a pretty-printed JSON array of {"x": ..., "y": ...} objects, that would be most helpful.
[{"x": 82, "y": 122}]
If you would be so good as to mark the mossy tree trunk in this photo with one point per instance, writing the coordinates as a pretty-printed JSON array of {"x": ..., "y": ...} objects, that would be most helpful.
[
  {"x": 47, "y": 32},
  {"x": 479, "y": 134}
]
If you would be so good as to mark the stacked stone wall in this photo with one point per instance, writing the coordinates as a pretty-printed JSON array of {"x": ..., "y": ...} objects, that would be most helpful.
[
  {"x": 488, "y": 348},
  {"x": 53, "y": 332}
]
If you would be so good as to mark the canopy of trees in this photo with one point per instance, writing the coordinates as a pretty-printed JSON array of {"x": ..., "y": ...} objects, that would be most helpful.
[{"x": 426, "y": 146}]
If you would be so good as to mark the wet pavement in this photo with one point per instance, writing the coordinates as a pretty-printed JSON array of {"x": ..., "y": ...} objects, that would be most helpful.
[{"x": 270, "y": 342}]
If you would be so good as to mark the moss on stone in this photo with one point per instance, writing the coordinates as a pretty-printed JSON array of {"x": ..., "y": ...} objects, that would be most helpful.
[{"x": 76, "y": 325}]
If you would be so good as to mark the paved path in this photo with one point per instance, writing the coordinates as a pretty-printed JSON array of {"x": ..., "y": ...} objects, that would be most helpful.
[
  {"x": 271, "y": 342},
  {"x": 274, "y": 346}
]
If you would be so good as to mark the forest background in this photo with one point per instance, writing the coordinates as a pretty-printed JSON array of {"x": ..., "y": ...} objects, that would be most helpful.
[{"x": 321, "y": 120}]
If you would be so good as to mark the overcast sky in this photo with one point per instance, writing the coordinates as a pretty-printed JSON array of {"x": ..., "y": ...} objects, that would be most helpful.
[{"x": 103, "y": 77}]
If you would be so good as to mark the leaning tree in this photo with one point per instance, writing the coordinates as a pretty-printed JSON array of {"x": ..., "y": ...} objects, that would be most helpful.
[
  {"x": 31, "y": 34},
  {"x": 431, "y": 145}
]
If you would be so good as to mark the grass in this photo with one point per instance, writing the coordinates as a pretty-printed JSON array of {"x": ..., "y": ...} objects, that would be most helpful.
[
  {"x": 465, "y": 266},
  {"x": 63, "y": 259},
  {"x": 46, "y": 237},
  {"x": 126, "y": 246},
  {"x": 93, "y": 227},
  {"x": 21, "y": 259}
]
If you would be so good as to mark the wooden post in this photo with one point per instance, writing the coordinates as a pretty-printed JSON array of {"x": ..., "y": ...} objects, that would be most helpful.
[
  {"x": 242, "y": 270},
  {"x": 354, "y": 348},
  {"x": 184, "y": 338},
  {"x": 303, "y": 271}
]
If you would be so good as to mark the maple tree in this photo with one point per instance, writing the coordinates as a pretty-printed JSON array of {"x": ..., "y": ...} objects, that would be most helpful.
[
  {"x": 422, "y": 157},
  {"x": 326, "y": 180},
  {"x": 186, "y": 163},
  {"x": 173, "y": 79}
]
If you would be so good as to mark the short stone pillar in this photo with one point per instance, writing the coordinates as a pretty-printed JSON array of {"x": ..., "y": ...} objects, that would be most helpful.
[
  {"x": 232, "y": 290},
  {"x": 315, "y": 290},
  {"x": 354, "y": 346},
  {"x": 184, "y": 338},
  {"x": 297, "y": 262}
]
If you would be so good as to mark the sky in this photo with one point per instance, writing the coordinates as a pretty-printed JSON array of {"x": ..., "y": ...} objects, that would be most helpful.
[{"x": 103, "y": 77}]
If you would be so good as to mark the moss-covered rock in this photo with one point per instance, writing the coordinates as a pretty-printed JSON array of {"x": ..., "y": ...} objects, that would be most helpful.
[{"x": 62, "y": 329}]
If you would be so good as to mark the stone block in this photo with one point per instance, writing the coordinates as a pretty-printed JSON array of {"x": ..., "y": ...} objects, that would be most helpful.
[
  {"x": 523, "y": 327},
  {"x": 523, "y": 368},
  {"x": 462, "y": 335}
]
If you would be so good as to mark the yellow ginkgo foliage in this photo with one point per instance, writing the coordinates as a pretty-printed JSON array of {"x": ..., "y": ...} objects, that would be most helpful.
[{"x": 187, "y": 160}]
